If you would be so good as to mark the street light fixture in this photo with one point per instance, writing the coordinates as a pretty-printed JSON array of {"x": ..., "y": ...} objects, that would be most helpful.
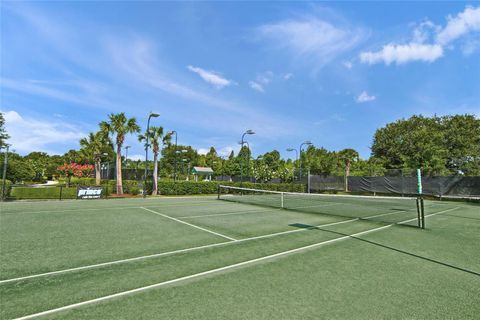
[
  {"x": 249, "y": 131},
  {"x": 308, "y": 142},
  {"x": 151, "y": 115}
]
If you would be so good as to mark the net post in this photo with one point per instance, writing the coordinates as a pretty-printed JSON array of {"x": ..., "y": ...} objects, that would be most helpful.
[
  {"x": 420, "y": 191},
  {"x": 281, "y": 200},
  {"x": 418, "y": 212},
  {"x": 423, "y": 213},
  {"x": 218, "y": 192}
]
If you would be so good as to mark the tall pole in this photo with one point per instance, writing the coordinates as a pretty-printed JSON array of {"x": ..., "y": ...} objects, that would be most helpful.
[
  {"x": 146, "y": 152},
  {"x": 300, "y": 159},
  {"x": 241, "y": 158},
  {"x": 175, "y": 166},
  {"x": 5, "y": 163}
]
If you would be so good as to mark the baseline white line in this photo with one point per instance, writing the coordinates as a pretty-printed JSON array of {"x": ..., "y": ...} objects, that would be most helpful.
[
  {"x": 156, "y": 255},
  {"x": 212, "y": 271},
  {"x": 109, "y": 207},
  {"x": 189, "y": 224}
]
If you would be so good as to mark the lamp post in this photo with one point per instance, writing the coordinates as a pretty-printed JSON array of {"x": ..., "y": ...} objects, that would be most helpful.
[
  {"x": 249, "y": 131},
  {"x": 151, "y": 115},
  {"x": 5, "y": 163},
  {"x": 300, "y": 159},
  {"x": 296, "y": 153},
  {"x": 175, "y": 165}
]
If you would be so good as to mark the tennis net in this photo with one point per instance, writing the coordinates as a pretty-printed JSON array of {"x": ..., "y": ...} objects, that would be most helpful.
[{"x": 391, "y": 210}]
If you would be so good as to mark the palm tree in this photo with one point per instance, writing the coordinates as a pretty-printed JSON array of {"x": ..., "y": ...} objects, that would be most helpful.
[
  {"x": 154, "y": 134},
  {"x": 119, "y": 125},
  {"x": 347, "y": 156},
  {"x": 93, "y": 147}
]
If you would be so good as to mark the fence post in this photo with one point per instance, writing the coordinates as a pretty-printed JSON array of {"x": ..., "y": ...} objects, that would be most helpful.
[{"x": 61, "y": 192}]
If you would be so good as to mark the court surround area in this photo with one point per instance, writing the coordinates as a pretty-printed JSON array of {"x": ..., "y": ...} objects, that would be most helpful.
[{"x": 204, "y": 258}]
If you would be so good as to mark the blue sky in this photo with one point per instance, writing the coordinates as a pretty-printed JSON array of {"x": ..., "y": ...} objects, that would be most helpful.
[{"x": 328, "y": 72}]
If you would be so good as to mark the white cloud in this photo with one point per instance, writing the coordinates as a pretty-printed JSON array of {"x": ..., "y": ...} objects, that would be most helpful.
[
  {"x": 400, "y": 54},
  {"x": 256, "y": 86},
  {"x": 312, "y": 38},
  {"x": 365, "y": 97},
  {"x": 465, "y": 22},
  {"x": 136, "y": 157},
  {"x": 203, "y": 151},
  {"x": 429, "y": 40},
  {"x": 470, "y": 46},
  {"x": 424, "y": 31},
  {"x": 225, "y": 151},
  {"x": 287, "y": 76},
  {"x": 29, "y": 134},
  {"x": 211, "y": 77},
  {"x": 347, "y": 64}
]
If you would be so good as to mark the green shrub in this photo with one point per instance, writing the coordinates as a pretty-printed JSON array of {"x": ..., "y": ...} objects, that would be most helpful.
[
  {"x": 211, "y": 187},
  {"x": 74, "y": 182},
  {"x": 19, "y": 193},
  {"x": 134, "y": 191},
  {"x": 8, "y": 185}
]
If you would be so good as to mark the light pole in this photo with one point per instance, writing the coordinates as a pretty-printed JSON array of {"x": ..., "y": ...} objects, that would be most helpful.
[
  {"x": 249, "y": 131},
  {"x": 5, "y": 163},
  {"x": 175, "y": 165},
  {"x": 151, "y": 115},
  {"x": 296, "y": 153},
  {"x": 300, "y": 159}
]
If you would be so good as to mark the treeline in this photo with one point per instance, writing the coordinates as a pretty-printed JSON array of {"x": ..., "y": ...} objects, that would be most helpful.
[{"x": 447, "y": 145}]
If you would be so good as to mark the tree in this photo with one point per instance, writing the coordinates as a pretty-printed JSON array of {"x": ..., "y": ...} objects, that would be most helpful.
[
  {"x": 3, "y": 133},
  {"x": 39, "y": 162},
  {"x": 73, "y": 155},
  {"x": 120, "y": 126},
  {"x": 347, "y": 156},
  {"x": 19, "y": 169},
  {"x": 438, "y": 145},
  {"x": 154, "y": 134},
  {"x": 72, "y": 169},
  {"x": 93, "y": 147}
]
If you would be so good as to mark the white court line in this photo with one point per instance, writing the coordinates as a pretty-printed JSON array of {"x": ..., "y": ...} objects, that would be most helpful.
[
  {"x": 109, "y": 207},
  {"x": 189, "y": 224},
  {"x": 156, "y": 255},
  {"x": 229, "y": 213},
  {"x": 212, "y": 271}
]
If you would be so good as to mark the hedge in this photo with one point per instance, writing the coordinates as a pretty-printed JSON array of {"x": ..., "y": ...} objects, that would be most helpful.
[
  {"x": 211, "y": 187},
  {"x": 8, "y": 185},
  {"x": 19, "y": 193},
  {"x": 133, "y": 187}
]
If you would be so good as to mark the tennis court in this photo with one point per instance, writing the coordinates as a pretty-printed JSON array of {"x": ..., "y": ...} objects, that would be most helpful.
[{"x": 245, "y": 256}]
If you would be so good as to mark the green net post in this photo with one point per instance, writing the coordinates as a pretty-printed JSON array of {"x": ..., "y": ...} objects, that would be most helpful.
[
  {"x": 422, "y": 212},
  {"x": 61, "y": 192},
  {"x": 420, "y": 192},
  {"x": 418, "y": 213},
  {"x": 419, "y": 182}
]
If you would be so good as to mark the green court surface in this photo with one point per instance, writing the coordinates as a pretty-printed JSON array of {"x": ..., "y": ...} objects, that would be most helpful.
[{"x": 203, "y": 258}]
